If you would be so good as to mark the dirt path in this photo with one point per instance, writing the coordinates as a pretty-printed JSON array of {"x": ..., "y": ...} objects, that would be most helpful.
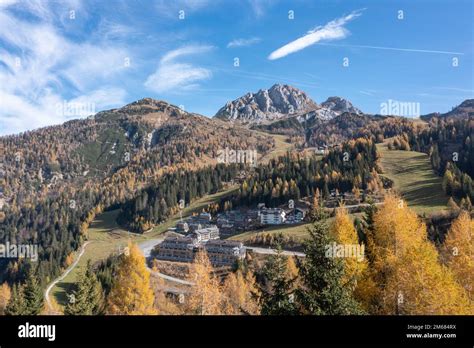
[{"x": 64, "y": 275}]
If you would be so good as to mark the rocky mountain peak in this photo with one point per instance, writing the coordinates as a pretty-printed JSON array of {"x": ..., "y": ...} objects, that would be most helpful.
[
  {"x": 338, "y": 105},
  {"x": 463, "y": 110},
  {"x": 274, "y": 103}
]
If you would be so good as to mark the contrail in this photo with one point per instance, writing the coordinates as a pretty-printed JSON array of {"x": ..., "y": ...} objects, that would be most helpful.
[{"x": 391, "y": 48}]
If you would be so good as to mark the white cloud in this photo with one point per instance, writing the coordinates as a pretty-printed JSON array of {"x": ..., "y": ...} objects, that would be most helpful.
[
  {"x": 243, "y": 42},
  {"x": 94, "y": 63},
  {"x": 333, "y": 30},
  {"x": 401, "y": 49},
  {"x": 6, "y": 3},
  {"x": 171, "y": 74},
  {"x": 41, "y": 65},
  {"x": 18, "y": 113},
  {"x": 102, "y": 98}
]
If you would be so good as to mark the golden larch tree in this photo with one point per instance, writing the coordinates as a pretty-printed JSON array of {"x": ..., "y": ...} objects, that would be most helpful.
[
  {"x": 5, "y": 295},
  {"x": 345, "y": 233},
  {"x": 206, "y": 297},
  {"x": 164, "y": 304},
  {"x": 131, "y": 292},
  {"x": 458, "y": 251},
  {"x": 240, "y": 294},
  {"x": 405, "y": 266}
]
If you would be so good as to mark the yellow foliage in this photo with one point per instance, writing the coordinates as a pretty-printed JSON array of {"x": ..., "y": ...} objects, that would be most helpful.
[
  {"x": 69, "y": 259},
  {"x": 240, "y": 294},
  {"x": 5, "y": 294},
  {"x": 343, "y": 230},
  {"x": 409, "y": 277},
  {"x": 131, "y": 293},
  {"x": 55, "y": 308},
  {"x": 291, "y": 268},
  {"x": 206, "y": 297},
  {"x": 458, "y": 251},
  {"x": 164, "y": 304}
]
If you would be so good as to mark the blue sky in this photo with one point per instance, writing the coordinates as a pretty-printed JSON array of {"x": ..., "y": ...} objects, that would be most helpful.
[{"x": 103, "y": 54}]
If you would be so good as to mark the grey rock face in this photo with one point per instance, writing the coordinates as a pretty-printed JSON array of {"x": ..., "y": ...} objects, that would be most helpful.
[
  {"x": 278, "y": 102},
  {"x": 283, "y": 101}
]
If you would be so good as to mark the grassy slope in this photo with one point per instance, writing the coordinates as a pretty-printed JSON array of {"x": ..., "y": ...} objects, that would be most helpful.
[
  {"x": 297, "y": 231},
  {"x": 414, "y": 178},
  {"x": 281, "y": 146}
]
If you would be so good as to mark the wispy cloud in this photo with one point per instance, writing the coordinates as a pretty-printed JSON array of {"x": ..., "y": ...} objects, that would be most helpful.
[
  {"x": 367, "y": 92},
  {"x": 172, "y": 74},
  {"x": 456, "y": 89},
  {"x": 333, "y": 30},
  {"x": 392, "y": 48},
  {"x": 243, "y": 42},
  {"x": 38, "y": 63}
]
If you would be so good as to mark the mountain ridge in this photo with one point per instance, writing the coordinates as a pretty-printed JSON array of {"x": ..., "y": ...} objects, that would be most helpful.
[{"x": 282, "y": 101}]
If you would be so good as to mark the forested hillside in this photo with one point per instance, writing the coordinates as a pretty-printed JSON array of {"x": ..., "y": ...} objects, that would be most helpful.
[{"x": 57, "y": 178}]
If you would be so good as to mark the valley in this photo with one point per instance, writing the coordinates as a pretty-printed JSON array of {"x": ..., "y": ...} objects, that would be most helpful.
[{"x": 140, "y": 173}]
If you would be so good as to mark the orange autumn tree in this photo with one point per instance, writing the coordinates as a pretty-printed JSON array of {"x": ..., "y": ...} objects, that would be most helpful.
[
  {"x": 206, "y": 297},
  {"x": 131, "y": 292},
  {"x": 5, "y": 295},
  {"x": 240, "y": 294},
  {"x": 405, "y": 268},
  {"x": 458, "y": 251},
  {"x": 345, "y": 233},
  {"x": 356, "y": 272},
  {"x": 164, "y": 304}
]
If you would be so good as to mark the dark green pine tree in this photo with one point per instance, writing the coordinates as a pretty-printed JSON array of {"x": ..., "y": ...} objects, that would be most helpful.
[
  {"x": 33, "y": 293},
  {"x": 88, "y": 297},
  {"x": 367, "y": 229},
  {"x": 17, "y": 304},
  {"x": 326, "y": 192},
  {"x": 277, "y": 292},
  {"x": 322, "y": 292}
]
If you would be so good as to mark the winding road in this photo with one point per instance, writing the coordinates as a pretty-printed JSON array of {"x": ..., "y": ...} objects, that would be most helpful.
[
  {"x": 268, "y": 251},
  {"x": 64, "y": 275},
  {"x": 146, "y": 248}
]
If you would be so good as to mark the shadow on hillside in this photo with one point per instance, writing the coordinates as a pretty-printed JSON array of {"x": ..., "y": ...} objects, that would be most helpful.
[
  {"x": 425, "y": 192},
  {"x": 63, "y": 289},
  {"x": 106, "y": 221}
]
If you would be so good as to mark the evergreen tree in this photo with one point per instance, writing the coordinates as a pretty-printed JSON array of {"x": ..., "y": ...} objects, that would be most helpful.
[
  {"x": 87, "y": 298},
  {"x": 277, "y": 293},
  {"x": 33, "y": 293},
  {"x": 17, "y": 304},
  {"x": 323, "y": 292}
]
